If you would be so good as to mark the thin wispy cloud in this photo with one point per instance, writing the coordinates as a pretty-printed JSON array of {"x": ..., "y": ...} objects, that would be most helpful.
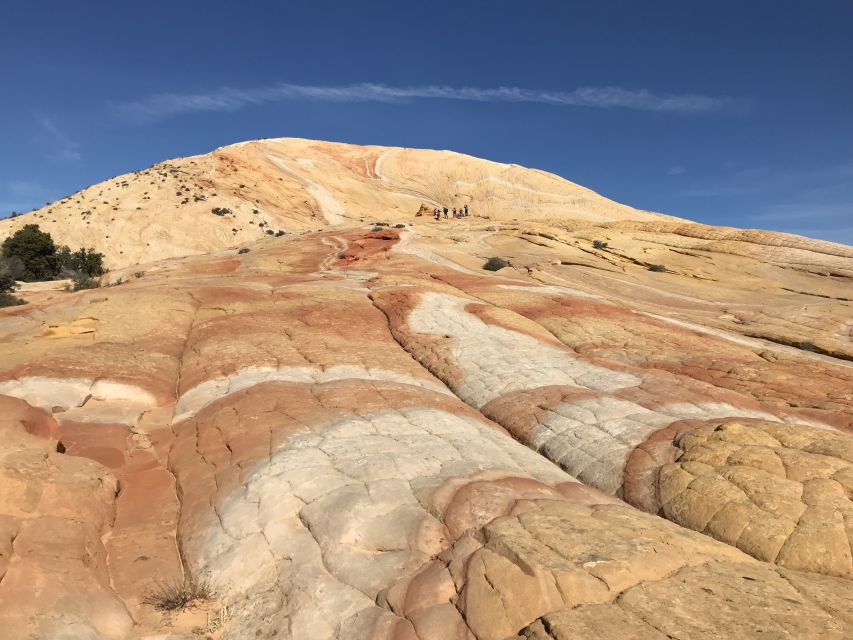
[
  {"x": 63, "y": 148},
  {"x": 722, "y": 191},
  {"x": 165, "y": 105},
  {"x": 814, "y": 201},
  {"x": 26, "y": 189},
  {"x": 798, "y": 183},
  {"x": 827, "y": 212},
  {"x": 21, "y": 196}
]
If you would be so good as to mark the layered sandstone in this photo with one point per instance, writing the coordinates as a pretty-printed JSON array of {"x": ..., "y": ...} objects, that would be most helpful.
[
  {"x": 295, "y": 185},
  {"x": 360, "y": 433}
]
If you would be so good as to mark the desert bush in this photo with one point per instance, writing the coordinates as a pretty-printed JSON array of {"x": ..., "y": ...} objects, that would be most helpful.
[
  {"x": 376, "y": 228},
  {"x": 495, "y": 264},
  {"x": 172, "y": 596},
  {"x": 13, "y": 267},
  {"x": 658, "y": 268},
  {"x": 8, "y": 300},
  {"x": 242, "y": 250},
  {"x": 80, "y": 281},
  {"x": 7, "y": 279},
  {"x": 36, "y": 251},
  {"x": 31, "y": 254},
  {"x": 138, "y": 274},
  {"x": 399, "y": 226},
  {"x": 279, "y": 233},
  {"x": 599, "y": 244},
  {"x": 221, "y": 211},
  {"x": 87, "y": 261},
  {"x": 7, "y": 286}
]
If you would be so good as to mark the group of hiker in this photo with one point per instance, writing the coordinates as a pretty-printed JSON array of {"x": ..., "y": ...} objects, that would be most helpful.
[{"x": 457, "y": 212}]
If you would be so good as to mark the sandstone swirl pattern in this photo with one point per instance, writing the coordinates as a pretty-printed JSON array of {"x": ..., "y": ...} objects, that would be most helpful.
[{"x": 360, "y": 434}]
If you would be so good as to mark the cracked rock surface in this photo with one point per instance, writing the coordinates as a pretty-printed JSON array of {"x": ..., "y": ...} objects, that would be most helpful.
[{"x": 354, "y": 434}]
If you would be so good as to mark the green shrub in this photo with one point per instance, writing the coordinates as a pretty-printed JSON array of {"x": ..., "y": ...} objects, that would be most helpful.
[
  {"x": 658, "y": 268},
  {"x": 495, "y": 264},
  {"x": 7, "y": 278},
  {"x": 8, "y": 300},
  {"x": 31, "y": 254},
  {"x": 221, "y": 211},
  {"x": 36, "y": 251},
  {"x": 86, "y": 261},
  {"x": 599, "y": 244},
  {"x": 80, "y": 281},
  {"x": 7, "y": 286}
]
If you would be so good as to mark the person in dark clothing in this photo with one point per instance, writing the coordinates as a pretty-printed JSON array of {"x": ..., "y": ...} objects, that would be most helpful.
[
  {"x": 466, "y": 209},
  {"x": 445, "y": 213},
  {"x": 454, "y": 212}
]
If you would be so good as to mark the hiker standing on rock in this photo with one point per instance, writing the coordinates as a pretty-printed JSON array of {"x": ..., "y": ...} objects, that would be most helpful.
[
  {"x": 454, "y": 212},
  {"x": 445, "y": 213},
  {"x": 466, "y": 210}
]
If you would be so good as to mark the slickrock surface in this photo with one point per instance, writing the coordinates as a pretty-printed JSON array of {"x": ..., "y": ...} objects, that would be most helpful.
[
  {"x": 360, "y": 433},
  {"x": 293, "y": 185}
]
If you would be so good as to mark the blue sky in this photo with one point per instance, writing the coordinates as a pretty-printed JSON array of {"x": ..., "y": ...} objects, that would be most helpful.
[{"x": 733, "y": 113}]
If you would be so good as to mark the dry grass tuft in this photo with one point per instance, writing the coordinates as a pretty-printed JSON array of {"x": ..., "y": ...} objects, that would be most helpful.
[{"x": 171, "y": 596}]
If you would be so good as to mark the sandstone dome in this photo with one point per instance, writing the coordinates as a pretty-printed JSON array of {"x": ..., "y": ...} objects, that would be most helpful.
[{"x": 640, "y": 427}]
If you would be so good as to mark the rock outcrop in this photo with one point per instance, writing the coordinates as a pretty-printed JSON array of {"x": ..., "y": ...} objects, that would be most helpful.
[
  {"x": 360, "y": 433},
  {"x": 245, "y": 191}
]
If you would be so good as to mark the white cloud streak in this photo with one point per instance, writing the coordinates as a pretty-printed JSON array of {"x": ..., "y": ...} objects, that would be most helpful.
[
  {"x": 722, "y": 191},
  {"x": 165, "y": 105},
  {"x": 25, "y": 189},
  {"x": 65, "y": 149},
  {"x": 826, "y": 212}
]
